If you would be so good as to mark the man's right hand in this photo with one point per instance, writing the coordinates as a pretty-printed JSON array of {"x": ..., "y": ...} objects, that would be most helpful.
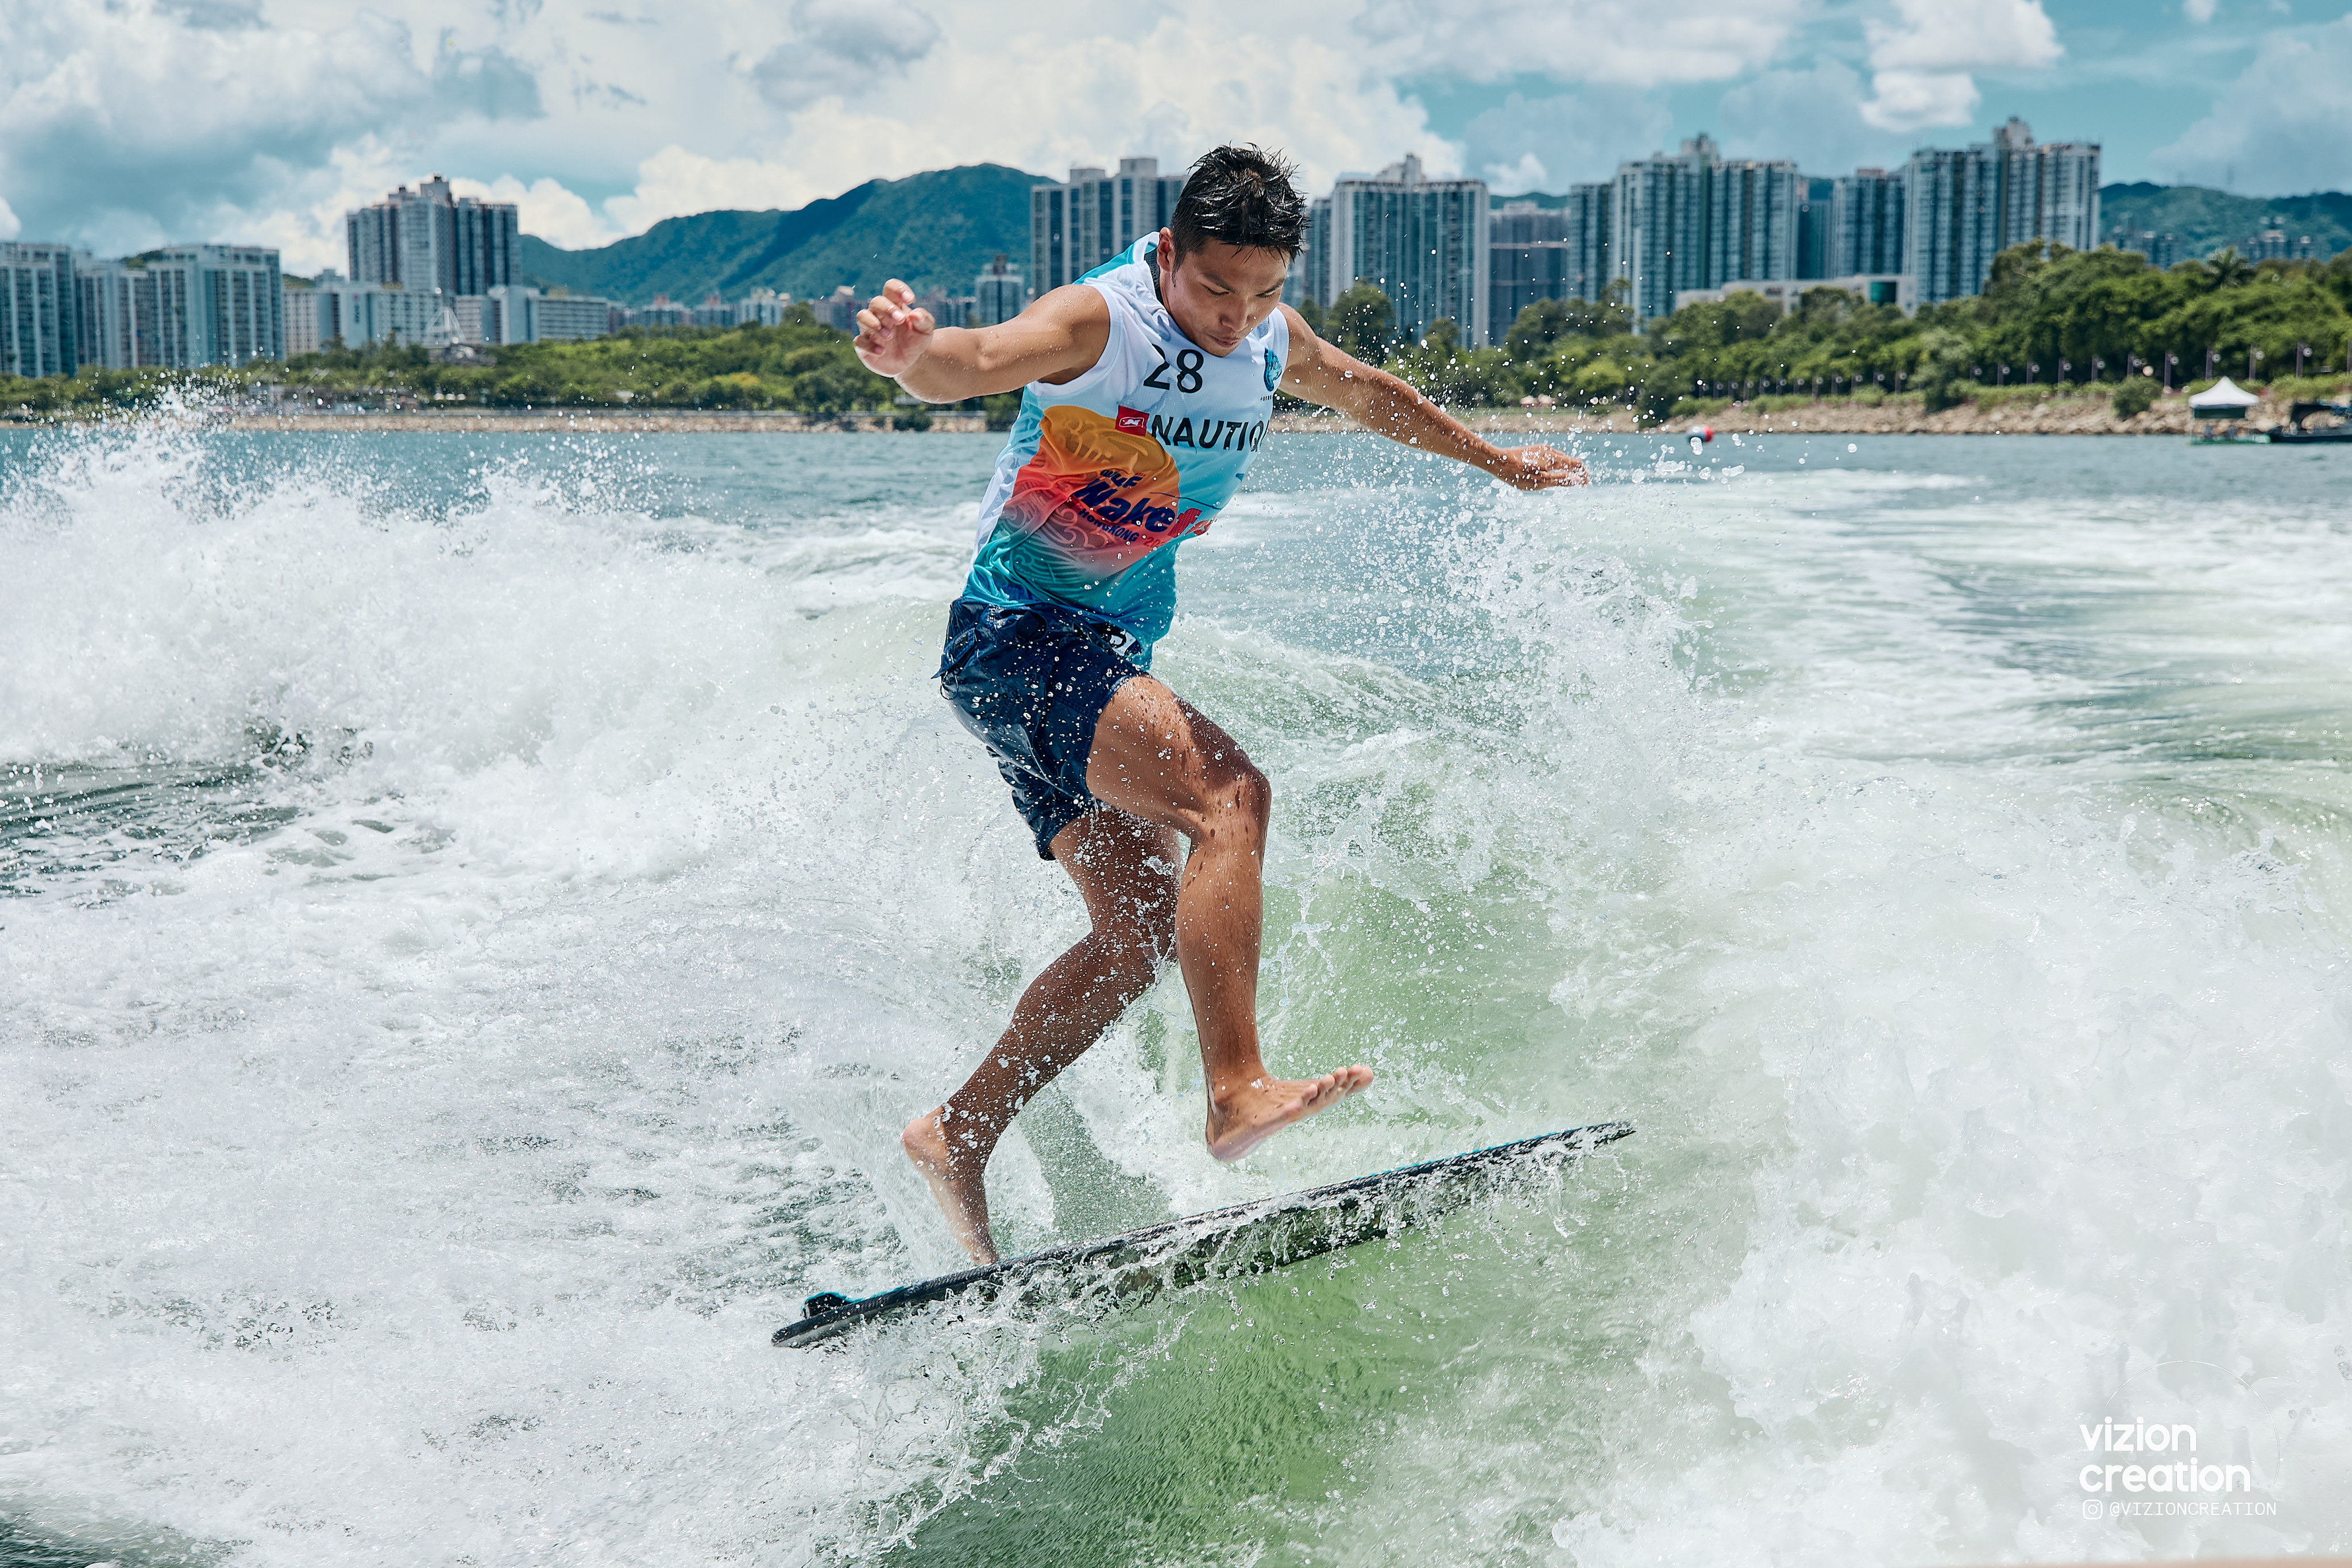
[{"x": 892, "y": 332}]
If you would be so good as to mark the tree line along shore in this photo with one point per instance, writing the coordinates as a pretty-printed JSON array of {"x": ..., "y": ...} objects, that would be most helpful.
[
  {"x": 2017, "y": 412},
  {"x": 2056, "y": 338}
]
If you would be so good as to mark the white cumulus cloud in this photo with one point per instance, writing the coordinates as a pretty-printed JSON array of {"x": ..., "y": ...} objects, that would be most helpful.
[
  {"x": 1087, "y": 97},
  {"x": 1552, "y": 142},
  {"x": 127, "y": 124},
  {"x": 9, "y": 228},
  {"x": 844, "y": 46},
  {"x": 1812, "y": 116},
  {"x": 1923, "y": 63},
  {"x": 1638, "y": 43},
  {"x": 2280, "y": 126},
  {"x": 546, "y": 209},
  {"x": 130, "y": 123}
]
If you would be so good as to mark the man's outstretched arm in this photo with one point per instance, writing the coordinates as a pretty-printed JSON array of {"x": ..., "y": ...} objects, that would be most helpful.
[
  {"x": 1056, "y": 338},
  {"x": 1380, "y": 403}
]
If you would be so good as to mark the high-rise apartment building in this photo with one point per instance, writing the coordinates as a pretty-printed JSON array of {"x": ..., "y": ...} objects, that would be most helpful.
[
  {"x": 512, "y": 316},
  {"x": 426, "y": 239},
  {"x": 573, "y": 318},
  {"x": 2162, "y": 250},
  {"x": 1591, "y": 238},
  {"x": 361, "y": 311},
  {"x": 334, "y": 309},
  {"x": 208, "y": 304},
  {"x": 999, "y": 293},
  {"x": 1424, "y": 243},
  {"x": 762, "y": 308},
  {"x": 109, "y": 297},
  {"x": 1546, "y": 253},
  {"x": 837, "y": 309},
  {"x": 1952, "y": 203},
  {"x": 323, "y": 313},
  {"x": 1695, "y": 220},
  {"x": 1751, "y": 225},
  {"x": 1660, "y": 225},
  {"x": 1526, "y": 260},
  {"x": 516, "y": 313},
  {"x": 39, "y": 312},
  {"x": 1813, "y": 245},
  {"x": 1526, "y": 223},
  {"x": 1310, "y": 273},
  {"x": 490, "y": 244},
  {"x": 177, "y": 308},
  {"x": 1076, "y": 226},
  {"x": 1866, "y": 223},
  {"x": 299, "y": 308},
  {"x": 1963, "y": 206}
]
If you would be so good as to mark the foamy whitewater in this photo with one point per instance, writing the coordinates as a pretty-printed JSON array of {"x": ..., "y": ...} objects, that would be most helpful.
[{"x": 478, "y": 912}]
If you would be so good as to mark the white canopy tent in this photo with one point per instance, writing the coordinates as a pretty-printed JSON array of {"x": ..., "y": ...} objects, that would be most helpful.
[{"x": 2225, "y": 399}]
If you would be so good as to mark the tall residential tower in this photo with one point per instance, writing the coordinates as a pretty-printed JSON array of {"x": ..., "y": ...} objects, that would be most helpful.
[
  {"x": 1076, "y": 228},
  {"x": 1424, "y": 243},
  {"x": 1962, "y": 206},
  {"x": 426, "y": 239},
  {"x": 40, "y": 321},
  {"x": 1695, "y": 219},
  {"x": 1546, "y": 253}
]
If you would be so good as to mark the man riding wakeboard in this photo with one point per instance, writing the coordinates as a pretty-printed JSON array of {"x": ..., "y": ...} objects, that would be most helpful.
[{"x": 1146, "y": 389}]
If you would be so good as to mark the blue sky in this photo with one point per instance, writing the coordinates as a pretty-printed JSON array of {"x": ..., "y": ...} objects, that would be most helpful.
[{"x": 129, "y": 123}]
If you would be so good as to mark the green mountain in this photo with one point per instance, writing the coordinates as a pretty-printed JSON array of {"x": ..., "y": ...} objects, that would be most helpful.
[
  {"x": 942, "y": 227},
  {"x": 939, "y": 228},
  {"x": 2206, "y": 220}
]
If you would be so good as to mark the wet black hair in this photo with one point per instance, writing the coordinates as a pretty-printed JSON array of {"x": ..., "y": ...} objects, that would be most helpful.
[{"x": 1243, "y": 197}]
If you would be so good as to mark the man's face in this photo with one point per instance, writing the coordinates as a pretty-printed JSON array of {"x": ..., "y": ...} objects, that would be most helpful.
[{"x": 1219, "y": 292}]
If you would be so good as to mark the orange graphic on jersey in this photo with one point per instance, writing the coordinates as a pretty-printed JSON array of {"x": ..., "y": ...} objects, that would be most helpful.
[{"x": 1096, "y": 492}]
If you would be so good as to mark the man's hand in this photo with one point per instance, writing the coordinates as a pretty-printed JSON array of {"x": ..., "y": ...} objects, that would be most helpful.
[
  {"x": 892, "y": 332},
  {"x": 1056, "y": 340},
  {"x": 1538, "y": 468},
  {"x": 1321, "y": 373}
]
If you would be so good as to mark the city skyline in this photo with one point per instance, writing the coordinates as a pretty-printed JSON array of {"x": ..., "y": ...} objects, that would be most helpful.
[
  {"x": 433, "y": 269},
  {"x": 127, "y": 127}
]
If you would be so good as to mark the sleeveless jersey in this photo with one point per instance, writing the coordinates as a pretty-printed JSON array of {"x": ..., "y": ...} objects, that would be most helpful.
[{"x": 1104, "y": 476}]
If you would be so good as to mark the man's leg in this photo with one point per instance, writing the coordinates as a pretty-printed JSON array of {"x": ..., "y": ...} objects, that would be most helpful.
[
  {"x": 1158, "y": 759},
  {"x": 1126, "y": 869}
]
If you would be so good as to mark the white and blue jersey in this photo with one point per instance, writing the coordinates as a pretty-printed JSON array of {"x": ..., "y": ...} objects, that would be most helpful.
[{"x": 1104, "y": 476}]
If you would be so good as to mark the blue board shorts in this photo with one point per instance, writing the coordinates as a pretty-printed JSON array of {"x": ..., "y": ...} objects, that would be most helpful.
[{"x": 1030, "y": 682}]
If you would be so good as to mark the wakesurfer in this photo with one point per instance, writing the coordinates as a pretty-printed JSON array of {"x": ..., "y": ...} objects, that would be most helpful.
[{"x": 1145, "y": 387}]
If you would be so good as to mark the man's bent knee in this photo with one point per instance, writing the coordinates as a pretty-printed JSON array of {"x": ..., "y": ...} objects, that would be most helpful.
[{"x": 1241, "y": 802}]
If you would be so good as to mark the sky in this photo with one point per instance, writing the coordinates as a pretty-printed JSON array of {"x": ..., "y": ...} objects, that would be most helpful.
[{"x": 125, "y": 124}]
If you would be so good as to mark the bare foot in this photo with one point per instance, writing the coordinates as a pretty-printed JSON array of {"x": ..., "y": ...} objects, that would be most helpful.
[
  {"x": 1258, "y": 1109},
  {"x": 956, "y": 1182}
]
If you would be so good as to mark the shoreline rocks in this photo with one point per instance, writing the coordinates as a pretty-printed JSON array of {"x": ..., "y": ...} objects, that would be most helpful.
[
  {"x": 1897, "y": 416},
  {"x": 2048, "y": 416}
]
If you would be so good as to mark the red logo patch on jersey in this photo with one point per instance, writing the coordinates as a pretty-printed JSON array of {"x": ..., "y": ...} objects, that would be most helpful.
[{"x": 1133, "y": 421}]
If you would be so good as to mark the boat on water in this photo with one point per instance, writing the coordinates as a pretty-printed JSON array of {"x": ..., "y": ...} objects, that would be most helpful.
[
  {"x": 2218, "y": 414},
  {"x": 2337, "y": 424}
]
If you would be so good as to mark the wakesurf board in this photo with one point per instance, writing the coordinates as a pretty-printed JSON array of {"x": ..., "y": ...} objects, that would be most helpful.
[{"x": 1249, "y": 1239}]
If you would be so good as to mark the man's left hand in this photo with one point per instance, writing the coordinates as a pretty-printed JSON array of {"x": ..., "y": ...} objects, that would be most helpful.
[{"x": 1538, "y": 468}]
